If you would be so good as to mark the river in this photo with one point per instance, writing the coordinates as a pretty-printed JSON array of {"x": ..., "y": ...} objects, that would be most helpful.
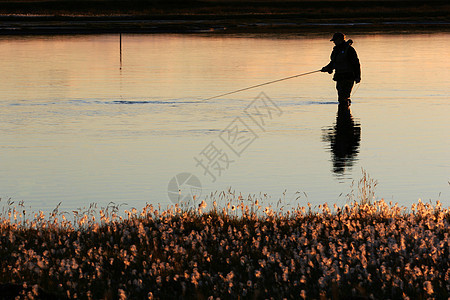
[{"x": 83, "y": 121}]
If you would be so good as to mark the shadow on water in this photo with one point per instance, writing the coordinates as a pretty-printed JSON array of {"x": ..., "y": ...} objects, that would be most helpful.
[{"x": 344, "y": 139}]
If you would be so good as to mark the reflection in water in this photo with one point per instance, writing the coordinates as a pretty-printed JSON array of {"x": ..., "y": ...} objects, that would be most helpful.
[{"x": 344, "y": 138}]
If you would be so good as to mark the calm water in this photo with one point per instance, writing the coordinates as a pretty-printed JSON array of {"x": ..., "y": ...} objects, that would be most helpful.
[{"x": 76, "y": 128}]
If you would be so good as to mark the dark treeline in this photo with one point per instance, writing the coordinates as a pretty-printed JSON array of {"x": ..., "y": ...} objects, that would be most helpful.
[
  {"x": 313, "y": 9},
  {"x": 187, "y": 16}
]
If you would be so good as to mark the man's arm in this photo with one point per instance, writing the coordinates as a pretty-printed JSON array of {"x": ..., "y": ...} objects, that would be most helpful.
[{"x": 328, "y": 68}]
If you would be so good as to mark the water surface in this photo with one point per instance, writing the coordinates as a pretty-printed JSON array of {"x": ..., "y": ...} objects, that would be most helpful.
[{"x": 77, "y": 126}]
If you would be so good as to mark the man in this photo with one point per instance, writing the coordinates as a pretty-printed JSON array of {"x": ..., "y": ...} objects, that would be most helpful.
[{"x": 345, "y": 63}]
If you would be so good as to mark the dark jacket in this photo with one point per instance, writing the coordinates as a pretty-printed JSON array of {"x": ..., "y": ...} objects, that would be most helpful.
[{"x": 345, "y": 63}]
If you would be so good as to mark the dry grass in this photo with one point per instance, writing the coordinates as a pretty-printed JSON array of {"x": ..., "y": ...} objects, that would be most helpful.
[{"x": 372, "y": 250}]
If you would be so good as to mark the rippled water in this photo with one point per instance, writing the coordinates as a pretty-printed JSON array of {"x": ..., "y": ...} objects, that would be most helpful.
[{"x": 77, "y": 126}]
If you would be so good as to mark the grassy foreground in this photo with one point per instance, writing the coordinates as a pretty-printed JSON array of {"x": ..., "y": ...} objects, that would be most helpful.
[{"x": 368, "y": 251}]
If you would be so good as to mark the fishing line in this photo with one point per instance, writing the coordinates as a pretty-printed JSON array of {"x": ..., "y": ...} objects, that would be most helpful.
[
  {"x": 354, "y": 91},
  {"x": 261, "y": 84}
]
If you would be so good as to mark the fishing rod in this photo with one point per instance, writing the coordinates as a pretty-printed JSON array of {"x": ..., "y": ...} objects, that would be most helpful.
[{"x": 261, "y": 84}]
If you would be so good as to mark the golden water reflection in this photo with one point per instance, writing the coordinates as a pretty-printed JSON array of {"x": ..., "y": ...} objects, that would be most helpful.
[{"x": 77, "y": 129}]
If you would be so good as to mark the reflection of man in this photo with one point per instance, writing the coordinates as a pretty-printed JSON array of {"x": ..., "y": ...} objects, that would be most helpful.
[
  {"x": 345, "y": 63},
  {"x": 344, "y": 140}
]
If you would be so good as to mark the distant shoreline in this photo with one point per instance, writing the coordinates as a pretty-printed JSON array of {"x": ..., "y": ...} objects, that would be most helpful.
[
  {"x": 98, "y": 16},
  {"x": 26, "y": 25}
]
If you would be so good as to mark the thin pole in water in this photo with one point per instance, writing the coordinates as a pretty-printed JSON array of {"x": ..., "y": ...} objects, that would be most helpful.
[
  {"x": 120, "y": 46},
  {"x": 261, "y": 84}
]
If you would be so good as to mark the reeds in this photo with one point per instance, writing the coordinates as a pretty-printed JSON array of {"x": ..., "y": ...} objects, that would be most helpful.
[{"x": 372, "y": 249}]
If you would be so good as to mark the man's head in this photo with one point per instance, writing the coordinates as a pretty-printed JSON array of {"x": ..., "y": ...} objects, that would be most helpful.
[{"x": 338, "y": 38}]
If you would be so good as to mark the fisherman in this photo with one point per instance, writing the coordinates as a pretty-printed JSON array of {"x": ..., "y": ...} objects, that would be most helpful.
[{"x": 345, "y": 63}]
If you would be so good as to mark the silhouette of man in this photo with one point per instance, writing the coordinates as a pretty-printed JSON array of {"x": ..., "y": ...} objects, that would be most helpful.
[{"x": 345, "y": 63}]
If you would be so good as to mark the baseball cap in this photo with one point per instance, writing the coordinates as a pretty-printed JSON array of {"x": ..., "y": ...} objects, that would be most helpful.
[{"x": 338, "y": 36}]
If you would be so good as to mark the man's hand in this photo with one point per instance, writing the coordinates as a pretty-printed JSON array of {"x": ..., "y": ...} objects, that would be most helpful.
[{"x": 325, "y": 69}]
